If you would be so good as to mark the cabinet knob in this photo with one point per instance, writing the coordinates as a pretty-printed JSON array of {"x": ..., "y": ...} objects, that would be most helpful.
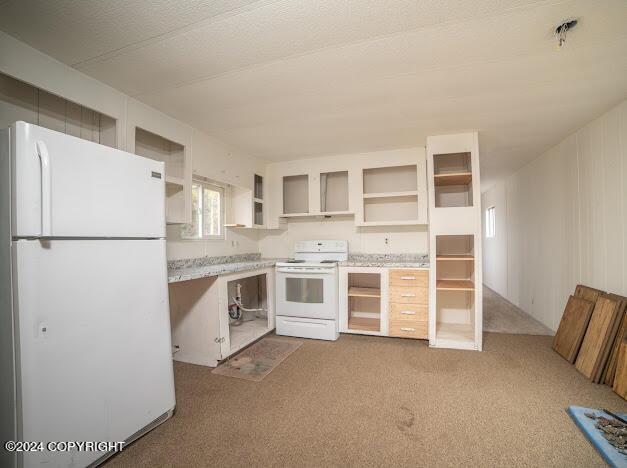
[
  {"x": 408, "y": 312},
  {"x": 408, "y": 278},
  {"x": 408, "y": 329},
  {"x": 408, "y": 295}
]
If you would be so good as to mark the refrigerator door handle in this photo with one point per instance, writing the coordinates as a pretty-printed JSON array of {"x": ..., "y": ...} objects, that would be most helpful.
[{"x": 46, "y": 189}]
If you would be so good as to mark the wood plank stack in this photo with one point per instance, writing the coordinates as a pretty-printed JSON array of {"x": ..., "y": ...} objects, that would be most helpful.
[{"x": 592, "y": 334}]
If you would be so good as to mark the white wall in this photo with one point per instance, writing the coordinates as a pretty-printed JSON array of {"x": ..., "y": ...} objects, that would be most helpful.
[
  {"x": 210, "y": 157},
  {"x": 566, "y": 219},
  {"x": 400, "y": 239}
]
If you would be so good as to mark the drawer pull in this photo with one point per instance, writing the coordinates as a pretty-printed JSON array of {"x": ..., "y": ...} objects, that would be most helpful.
[
  {"x": 408, "y": 312},
  {"x": 408, "y": 278},
  {"x": 408, "y": 329},
  {"x": 408, "y": 295}
]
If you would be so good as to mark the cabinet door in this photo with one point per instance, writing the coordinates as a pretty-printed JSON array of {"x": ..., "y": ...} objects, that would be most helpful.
[{"x": 196, "y": 331}]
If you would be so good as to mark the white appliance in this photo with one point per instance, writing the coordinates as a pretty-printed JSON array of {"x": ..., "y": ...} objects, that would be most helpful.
[
  {"x": 307, "y": 290},
  {"x": 84, "y": 325}
]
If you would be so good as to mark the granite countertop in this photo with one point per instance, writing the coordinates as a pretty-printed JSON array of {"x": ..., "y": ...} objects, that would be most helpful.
[
  {"x": 194, "y": 268},
  {"x": 387, "y": 260}
]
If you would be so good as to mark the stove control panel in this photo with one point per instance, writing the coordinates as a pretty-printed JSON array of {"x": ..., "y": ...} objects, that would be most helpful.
[{"x": 331, "y": 246}]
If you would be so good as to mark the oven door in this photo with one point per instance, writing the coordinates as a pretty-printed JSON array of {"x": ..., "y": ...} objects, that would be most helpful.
[{"x": 307, "y": 294}]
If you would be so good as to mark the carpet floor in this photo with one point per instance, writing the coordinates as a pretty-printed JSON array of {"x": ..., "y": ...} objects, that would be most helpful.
[
  {"x": 501, "y": 316},
  {"x": 370, "y": 401}
]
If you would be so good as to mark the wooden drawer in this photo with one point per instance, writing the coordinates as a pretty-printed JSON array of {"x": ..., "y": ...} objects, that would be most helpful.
[
  {"x": 404, "y": 329},
  {"x": 409, "y": 295},
  {"x": 418, "y": 278},
  {"x": 409, "y": 312}
]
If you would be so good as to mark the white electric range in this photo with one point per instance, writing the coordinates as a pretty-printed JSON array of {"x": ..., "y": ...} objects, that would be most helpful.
[{"x": 307, "y": 290}]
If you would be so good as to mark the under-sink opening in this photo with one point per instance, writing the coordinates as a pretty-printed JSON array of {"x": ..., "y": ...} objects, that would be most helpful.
[
  {"x": 247, "y": 310},
  {"x": 364, "y": 301}
]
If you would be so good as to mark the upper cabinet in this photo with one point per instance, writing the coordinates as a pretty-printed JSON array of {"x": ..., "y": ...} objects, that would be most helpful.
[
  {"x": 384, "y": 188},
  {"x": 390, "y": 195},
  {"x": 296, "y": 195},
  {"x": 161, "y": 138},
  {"x": 246, "y": 206},
  {"x": 394, "y": 193}
]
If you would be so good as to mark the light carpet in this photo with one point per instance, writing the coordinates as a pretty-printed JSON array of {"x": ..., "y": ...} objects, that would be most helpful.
[{"x": 370, "y": 401}]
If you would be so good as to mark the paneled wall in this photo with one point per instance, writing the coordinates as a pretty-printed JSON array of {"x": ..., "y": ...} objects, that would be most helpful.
[
  {"x": 22, "y": 101},
  {"x": 566, "y": 219}
]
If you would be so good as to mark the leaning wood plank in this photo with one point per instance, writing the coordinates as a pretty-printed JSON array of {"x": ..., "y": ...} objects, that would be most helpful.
[
  {"x": 599, "y": 373},
  {"x": 572, "y": 327},
  {"x": 610, "y": 367},
  {"x": 620, "y": 379},
  {"x": 613, "y": 360},
  {"x": 588, "y": 293},
  {"x": 595, "y": 340}
]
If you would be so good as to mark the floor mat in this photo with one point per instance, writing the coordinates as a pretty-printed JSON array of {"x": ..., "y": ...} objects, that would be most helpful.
[{"x": 257, "y": 361}]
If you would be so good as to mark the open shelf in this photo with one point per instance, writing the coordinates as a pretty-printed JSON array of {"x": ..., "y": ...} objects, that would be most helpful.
[
  {"x": 363, "y": 292},
  {"x": 452, "y": 174},
  {"x": 321, "y": 214},
  {"x": 461, "y": 258},
  {"x": 391, "y": 194},
  {"x": 455, "y": 335},
  {"x": 364, "y": 323},
  {"x": 454, "y": 178},
  {"x": 455, "y": 291},
  {"x": 364, "y": 302},
  {"x": 455, "y": 285},
  {"x": 390, "y": 179},
  {"x": 392, "y": 210},
  {"x": 174, "y": 180}
]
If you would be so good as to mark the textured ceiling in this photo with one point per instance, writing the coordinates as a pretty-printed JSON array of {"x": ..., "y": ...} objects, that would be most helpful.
[{"x": 296, "y": 78}]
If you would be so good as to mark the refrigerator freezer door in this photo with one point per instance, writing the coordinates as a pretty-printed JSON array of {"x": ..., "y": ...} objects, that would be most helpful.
[
  {"x": 94, "y": 342},
  {"x": 67, "y": 187}
]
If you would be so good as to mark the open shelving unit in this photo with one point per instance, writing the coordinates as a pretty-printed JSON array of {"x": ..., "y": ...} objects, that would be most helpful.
[
  {"x": 245, "y": 205},
  {"x": 455, "y": 288},
  {"x": 153, "y": 146},
  {"x": 390, "y": 195},
  {"x": 455, "y": 319},
  {"x": 364, "y": 302}
]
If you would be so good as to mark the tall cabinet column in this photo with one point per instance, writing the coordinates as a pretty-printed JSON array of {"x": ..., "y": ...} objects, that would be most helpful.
[{"x": 455, "y": 295}]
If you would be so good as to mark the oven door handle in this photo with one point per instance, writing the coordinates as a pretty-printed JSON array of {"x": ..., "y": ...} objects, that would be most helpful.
[{"x": 321, "y": 271}]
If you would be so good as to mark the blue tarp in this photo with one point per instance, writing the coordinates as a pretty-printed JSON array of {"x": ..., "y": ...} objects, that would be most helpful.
[{"x": 587, "y": 425}]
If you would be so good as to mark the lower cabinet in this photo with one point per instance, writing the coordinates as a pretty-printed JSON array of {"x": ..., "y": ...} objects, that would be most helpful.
[
  {"x": 203, "y": 331},
  {"x": 385, "y": 301}
]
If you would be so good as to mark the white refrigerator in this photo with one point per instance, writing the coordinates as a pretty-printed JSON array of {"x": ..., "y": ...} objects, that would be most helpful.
[{"x": 85, "y": 346}]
